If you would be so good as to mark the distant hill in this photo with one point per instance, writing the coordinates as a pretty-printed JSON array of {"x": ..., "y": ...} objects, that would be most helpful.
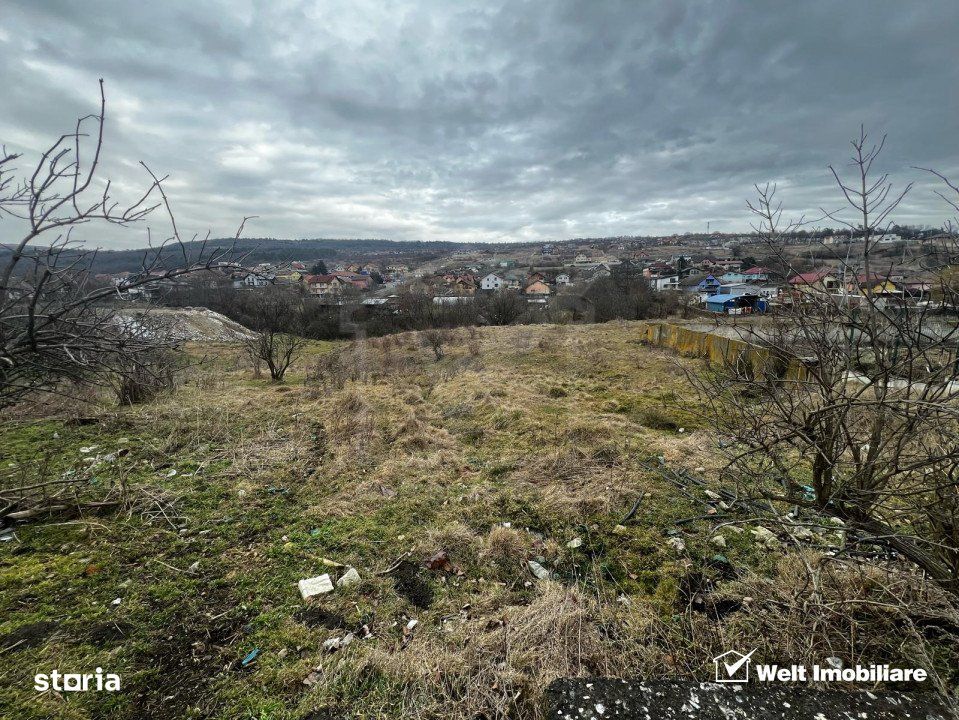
[{"x": 257, "y": 250}]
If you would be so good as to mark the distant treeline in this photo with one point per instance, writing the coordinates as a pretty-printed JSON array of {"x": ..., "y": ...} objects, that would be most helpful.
[{"x": 251, "y": 251}]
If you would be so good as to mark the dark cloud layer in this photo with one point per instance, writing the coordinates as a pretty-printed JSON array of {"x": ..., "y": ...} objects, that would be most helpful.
[{"x": 486, "y": 121}]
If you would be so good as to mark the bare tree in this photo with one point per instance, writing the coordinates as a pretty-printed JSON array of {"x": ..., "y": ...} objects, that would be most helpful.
[
  {"x": 846, "y": 406},
  {"x": 270, "y": 313},
  {"x": 56, "y": 323}
]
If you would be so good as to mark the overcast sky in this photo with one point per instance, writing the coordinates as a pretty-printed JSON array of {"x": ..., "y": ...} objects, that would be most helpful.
[{"x": 484, "y": 121}]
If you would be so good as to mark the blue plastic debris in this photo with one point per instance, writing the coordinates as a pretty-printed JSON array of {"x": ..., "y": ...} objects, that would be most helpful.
[{"x": 251, "y": 656}]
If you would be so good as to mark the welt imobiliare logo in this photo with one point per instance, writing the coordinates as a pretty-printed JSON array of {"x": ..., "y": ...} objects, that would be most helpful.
[{"x": 736, "y": 667}]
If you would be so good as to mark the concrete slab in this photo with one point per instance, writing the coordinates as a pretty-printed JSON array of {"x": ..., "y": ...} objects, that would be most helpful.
[{"x": 606, "y": 698}]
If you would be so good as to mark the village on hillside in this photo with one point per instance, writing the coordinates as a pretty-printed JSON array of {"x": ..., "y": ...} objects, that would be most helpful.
[{"x": 713, "y": 274}]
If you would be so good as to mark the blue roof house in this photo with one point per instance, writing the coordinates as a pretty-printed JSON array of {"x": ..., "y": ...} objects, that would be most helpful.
[{"x": 708, "y": 284}]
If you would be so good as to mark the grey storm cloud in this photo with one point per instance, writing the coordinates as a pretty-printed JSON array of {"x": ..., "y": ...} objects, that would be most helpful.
[{"x": 485, "y": 121}]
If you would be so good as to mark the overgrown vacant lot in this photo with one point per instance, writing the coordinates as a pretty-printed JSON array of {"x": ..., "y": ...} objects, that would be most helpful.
[{"x": 449, "y": 473}]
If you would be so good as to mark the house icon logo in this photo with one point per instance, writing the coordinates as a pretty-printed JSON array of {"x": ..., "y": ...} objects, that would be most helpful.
[{"x": 732, "y": 667}]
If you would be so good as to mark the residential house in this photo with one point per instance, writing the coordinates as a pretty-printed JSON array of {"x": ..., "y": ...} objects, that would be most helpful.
[
  {"x": 563, "y": 279},
  {"x": 251, "y": 280},
  {"x": 709, "y": 285},
  {"x": 724, "y": 264},
  {"x": 823, "y": 280},
  {"x": 358, "y": 280},
  {"x": 537, "y": 287},
  {"x": 878, "y": 285},
  {"x": 756, "y": 274},
  {"x": 734, "y": 277},
  {"x": 326, "y": 286},
  {"x": 582, "y": 260},
  {"x": 493, "y": 282},
  {"x": 459, "y": 283}
]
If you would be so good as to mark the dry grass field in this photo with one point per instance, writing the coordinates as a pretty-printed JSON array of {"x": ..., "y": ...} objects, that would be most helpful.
[{"x": 438, "y": 480}]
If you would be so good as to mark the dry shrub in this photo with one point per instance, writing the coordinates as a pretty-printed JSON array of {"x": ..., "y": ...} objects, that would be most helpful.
[
  {"x": 207, "y": 379},
  {"x": 472, "y": 342},
  {"x": 351, "y": 419},
  {"x": 332, "y": 371},
  {"x": 144, "y": 378},
  {"x": 478, "y": 669},
  {"x": 860, "y": 612},
  {"x": 437, "y": 339}
]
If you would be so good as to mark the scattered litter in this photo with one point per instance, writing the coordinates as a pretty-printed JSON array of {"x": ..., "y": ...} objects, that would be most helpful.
[
  {"x": 538, "y": 570},
  {"x": 834, "y": 662},
  {"x": 195, "y": 566},
  {"x": 314, "y": 677},
  {"x": 764, "y": 536},
  {"x": 7, "y": 536},
  {"x": 88, "y": 449},
  {"x": 350, "y": 577},
  {"x": 623, "y": 600},
  {"x": 250, "y": 657},
  {"x": 620, "y": 530},
  {"x": 171, "y": 472},
  {"x": 682, "y": 430},
  {"x": 282, "y": 654},
  {"x": 713, "y": 495},
  {"x": 440, "y": 561},
  {"x": 315, "y": 586},
  {"x": 116, "y": 602},
  {"x": 678, "y": 544},
  {"x": 574, "y": 543},
  {"x": 337, "y": 643},
  {"x": 331, "y": 563},
  {"x": 718, "y": 541},
  {"x": 408, "y": 631}
]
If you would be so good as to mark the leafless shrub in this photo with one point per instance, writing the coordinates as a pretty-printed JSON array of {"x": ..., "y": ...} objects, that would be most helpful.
[
  {"x": 141, "y": 381},
  {"x": 57, "y": 324},
  {"x": 849, "y": 408},
  {"x": 436, "y": 339}
]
